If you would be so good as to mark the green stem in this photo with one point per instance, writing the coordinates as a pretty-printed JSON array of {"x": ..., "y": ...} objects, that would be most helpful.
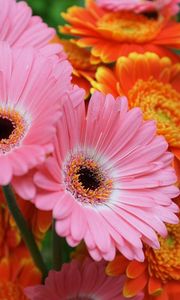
[
  {"x": 61, "y": 250},
  {"x": 57, "y": 249},
  {"x": 24, "y": 229}
]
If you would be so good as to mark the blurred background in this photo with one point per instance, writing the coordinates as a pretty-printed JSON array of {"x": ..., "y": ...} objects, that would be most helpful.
[{"x": 50, "y": 10}]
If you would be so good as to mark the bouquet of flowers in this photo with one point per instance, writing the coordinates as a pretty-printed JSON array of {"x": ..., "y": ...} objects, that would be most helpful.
[{"x": 90, "y": 152}]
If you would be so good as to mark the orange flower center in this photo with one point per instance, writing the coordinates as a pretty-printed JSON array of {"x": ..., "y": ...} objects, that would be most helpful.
[
  {"x": 11, "y": 291},
  {"x": 12, "y": 129},
  {"x": 160, "y": 102},
  {"x": 164, "y": 263},
  {"x": 129, "y": 27},
  {"x": 86, "y": 181}
]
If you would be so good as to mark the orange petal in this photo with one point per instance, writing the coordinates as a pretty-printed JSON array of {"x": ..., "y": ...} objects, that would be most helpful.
[
  {"x": 154, "y": 286},
  {"x": 95, "y": 60},
  {"x": 117, "y": 266},
  {"x": 124, "y": 70},
  {"x": 44, "y": 220},
  {"x": 10, "y": 290},
  {"x": 176, "y": 152},
  {"x": 133, "y": 286},
  {"x": 13, "y": 237},
  {"x": 176, "y": 165},
  {"x": 135, "y": 269},
  {"x": 4, "y": 269},
  {"x": 172, "y": 288},
  {"x": 107, "y": 81},
  {"x": 30, "y": 275},
  {"x": 82, "y": 83},
  {"x": 141, "y": 66},
  {"x": 163, "y": 296}
]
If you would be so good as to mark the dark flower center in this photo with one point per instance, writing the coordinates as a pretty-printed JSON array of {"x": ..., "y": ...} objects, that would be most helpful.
[
  {"x": 6, "y": 128},
  {"x": 151, "y": 14},
  {"x": 85, "y": 179},
  {"x": 89, "y": 178}
]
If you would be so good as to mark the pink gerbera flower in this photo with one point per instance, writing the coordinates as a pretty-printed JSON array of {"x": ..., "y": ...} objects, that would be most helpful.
[
  {"x": 80, "y": 280},
  {"x": 110, "y": 181},
  {"x": 31, "y": 88},
  {"x": 18, "y": 27},
  {"x": 140, "y": 5}
]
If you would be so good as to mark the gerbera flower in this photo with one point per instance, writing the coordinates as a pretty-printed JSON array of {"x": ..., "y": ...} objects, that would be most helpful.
[
  {"x": 79, "y": 280},
  {"x": 9, "y": 290},
  {"x": 151, "y": 83},
  {"x": 10, "y": 237},
  {"x": 18, "y": 267},
  {"x": 17, "y": 271},
  {"x": 109, "y": 181},
  {"x": 159, "y": 275},
  {"x": 140, "y": 6},
  {"x": 112, "y": 34},
  {"x": 30, "y": 95},
  {"x": 39, "y": 221},
  {"x": 83, "y": 70},
  {"x": 19, "y": 28},
  {"x": 15, "y": 260}
]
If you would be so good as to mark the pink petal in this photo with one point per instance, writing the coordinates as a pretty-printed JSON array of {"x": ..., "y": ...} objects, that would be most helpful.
[
  {"x": 6, "y": 170},
  {"x": 78, "y": 223},
  {"x": 64, "y": 206}
]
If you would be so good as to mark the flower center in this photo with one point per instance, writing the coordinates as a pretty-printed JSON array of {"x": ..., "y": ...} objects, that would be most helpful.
[
  {"x": 160, "y": 102},
  {"x": 151, "y": 14},
  {"x": 89, "y": 178},
  {"x": 164, "y": 263},
  {"x": 129, "y": 27},
  {"x": 12, "y": 129},
  {"x": 6, "y": 127},
  {"x": 86, "y": 181},
  {"x": 9, "y": 290}
]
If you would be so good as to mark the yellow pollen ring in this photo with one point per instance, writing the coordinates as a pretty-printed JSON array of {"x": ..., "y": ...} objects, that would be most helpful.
[
  {"x": 159, "y": 102},
  {"x": 87, "y": 195},
  {"x": 19, "y": 128},
  {"x": 129, "y": 27},
  {"x": 164, "y": 263}
]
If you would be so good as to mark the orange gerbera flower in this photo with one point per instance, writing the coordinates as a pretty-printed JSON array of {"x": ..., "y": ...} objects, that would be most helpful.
[
  {"x": 17, "y": 269},
  {"x": 83, "y": 70},
  {"x": 112, "y": 34},
  {"x": 151, "y": 83},
  {"x": 11, "y": 291},
  {"x": 10, "y": 237},
  {"x": 39, "y": 221},
  {"x": 159, "y": 275}
]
